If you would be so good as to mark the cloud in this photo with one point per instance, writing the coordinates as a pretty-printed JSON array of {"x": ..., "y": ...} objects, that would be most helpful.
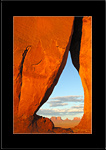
[
  {"x": 61, "y": 112},
  {"x": 59, "y": 101},
  {"x": 78, "y": 106},
  {"x": 69, "y": 98},
  {"x": 57, "y": 104}
]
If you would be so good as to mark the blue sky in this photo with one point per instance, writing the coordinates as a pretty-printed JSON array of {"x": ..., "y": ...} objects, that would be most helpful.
[{"x": 67, "y": 98}]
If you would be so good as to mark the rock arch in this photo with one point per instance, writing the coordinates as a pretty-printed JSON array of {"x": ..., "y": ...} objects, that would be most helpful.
[{"x": 47, "y": 41}]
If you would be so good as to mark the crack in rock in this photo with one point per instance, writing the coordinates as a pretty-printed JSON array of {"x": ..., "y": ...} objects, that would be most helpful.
[
  {"x": 37, "y": 63},
  {"x": 19, "y": 76}
]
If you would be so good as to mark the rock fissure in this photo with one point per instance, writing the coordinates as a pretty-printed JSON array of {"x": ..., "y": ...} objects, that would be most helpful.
[
  {"x": 21, "y": 67},
  {"x": 22, "y": 61}
]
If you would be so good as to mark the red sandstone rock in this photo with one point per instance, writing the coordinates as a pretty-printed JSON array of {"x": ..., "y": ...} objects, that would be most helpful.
[
  {"x": 62, "y": 130},
  {"x": 41, "y": 46},
  {"x": 42, "y": 125},
  {"x": 85, "y": 73},
  {"x": 38, "y": 125}
]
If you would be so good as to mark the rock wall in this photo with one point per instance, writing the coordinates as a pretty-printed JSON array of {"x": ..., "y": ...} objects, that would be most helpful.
[
  {"x": 85, "y": 72},
  {"x": 41, "y": 46}
]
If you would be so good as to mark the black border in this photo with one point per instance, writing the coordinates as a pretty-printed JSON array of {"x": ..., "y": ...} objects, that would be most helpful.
[
  {"x": 105, "y": 80},
  {"x": 97, "y": 11}
]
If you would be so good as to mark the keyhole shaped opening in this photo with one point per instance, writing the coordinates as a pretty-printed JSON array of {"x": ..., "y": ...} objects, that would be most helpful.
[{"x": 65, "y": 106}]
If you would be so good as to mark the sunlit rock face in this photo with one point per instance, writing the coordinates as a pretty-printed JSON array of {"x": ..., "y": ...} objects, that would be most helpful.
[
  {"x": 41, "y": 46},
  {"x": 85, "y": 71}
]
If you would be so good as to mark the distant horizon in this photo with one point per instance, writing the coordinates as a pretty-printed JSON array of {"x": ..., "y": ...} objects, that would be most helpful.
[
  {"x": 65, "y": 118},
  {"x": 66, "y": 123}
]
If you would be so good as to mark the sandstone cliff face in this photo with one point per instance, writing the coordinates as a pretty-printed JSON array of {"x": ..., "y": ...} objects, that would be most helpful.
[
  {"x": 40, "y": 53},
  {"x": 85, "y": 72}
]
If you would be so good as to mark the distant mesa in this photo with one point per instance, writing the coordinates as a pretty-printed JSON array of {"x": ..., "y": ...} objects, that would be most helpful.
[
  {"x": 59, "y": 119},
  {"x": 53, "y": 118},
  {"x": 67, "y": 119},
  {"x": 66, "y": 123},
  {"x": 56, "y": 118}
]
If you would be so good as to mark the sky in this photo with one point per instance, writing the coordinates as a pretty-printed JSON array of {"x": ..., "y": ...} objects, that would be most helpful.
[{"x": 67, "y": 98}]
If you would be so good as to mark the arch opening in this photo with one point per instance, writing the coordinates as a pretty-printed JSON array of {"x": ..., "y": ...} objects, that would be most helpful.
[{"x": 65, "y": 105}]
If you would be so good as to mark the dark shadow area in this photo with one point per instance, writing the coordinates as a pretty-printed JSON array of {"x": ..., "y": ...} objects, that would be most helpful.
[{"x": 75, "y": 43}]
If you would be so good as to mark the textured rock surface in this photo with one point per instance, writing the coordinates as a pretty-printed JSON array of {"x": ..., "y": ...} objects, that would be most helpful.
[
  {"x": 85, "y": 71},
  {"x": 62, "y": 130},
  {"x": 38, "y": 125},
  {"x": 41, "y": 46}
]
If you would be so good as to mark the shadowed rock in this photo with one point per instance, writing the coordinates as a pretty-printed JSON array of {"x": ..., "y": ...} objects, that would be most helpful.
[{"x": 75, "y": 43}]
